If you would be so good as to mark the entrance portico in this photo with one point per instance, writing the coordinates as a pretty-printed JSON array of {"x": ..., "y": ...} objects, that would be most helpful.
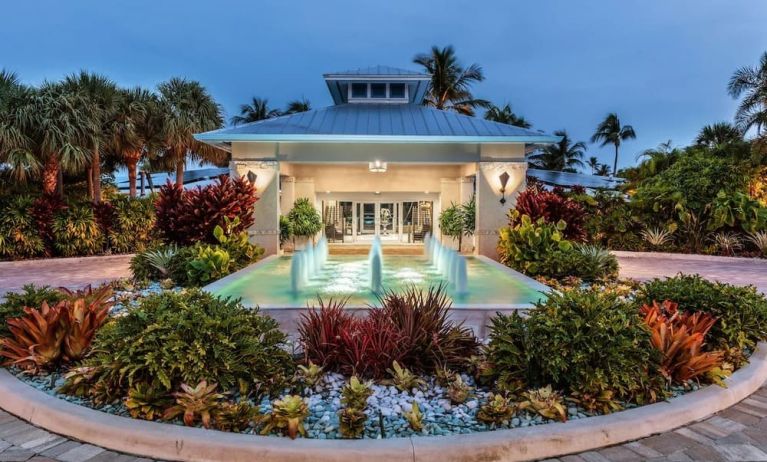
[{"x": 383, "y": 166}]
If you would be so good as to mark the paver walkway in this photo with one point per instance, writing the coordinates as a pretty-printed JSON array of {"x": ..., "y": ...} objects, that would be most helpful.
[{"x": 63, "y": 272}]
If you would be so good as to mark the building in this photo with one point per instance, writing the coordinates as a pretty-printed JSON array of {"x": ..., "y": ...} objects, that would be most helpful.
[{"x": 378, "y": 162}]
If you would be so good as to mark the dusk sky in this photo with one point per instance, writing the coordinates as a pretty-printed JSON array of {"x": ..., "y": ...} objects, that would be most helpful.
[{"x": 661, "y": 65}]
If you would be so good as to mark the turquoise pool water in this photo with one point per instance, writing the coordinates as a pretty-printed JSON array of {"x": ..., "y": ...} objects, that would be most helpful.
[{"x": 267, "y": 284}]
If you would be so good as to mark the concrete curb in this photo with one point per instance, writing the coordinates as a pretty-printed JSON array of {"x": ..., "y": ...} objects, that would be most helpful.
[
  {"x": 173, "y": 442},
  {"x": 688, "y": 257}
]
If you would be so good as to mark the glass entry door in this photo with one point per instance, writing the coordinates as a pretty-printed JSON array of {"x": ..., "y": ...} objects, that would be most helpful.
[{"x": 366, "y": 214}]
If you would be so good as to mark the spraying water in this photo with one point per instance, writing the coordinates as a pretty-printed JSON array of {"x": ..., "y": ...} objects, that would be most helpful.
[
  {"x": 376, "y": 273},
  {"x": 296, "y": 272}
]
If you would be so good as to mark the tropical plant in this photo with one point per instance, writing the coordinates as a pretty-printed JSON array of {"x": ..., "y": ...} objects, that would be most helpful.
[
  {"x": 564, "y": 156},
  {"x": 83, "y": 315},
  {"x": 36, "y": 339},
  {"x": 351, "y": 422},
  {"x": 173, "y": 338},
  {"x": 525, "y": 244},
  {"x": 146, "y": 401},
  {"x": 199, "y": 403},
  {"x": 593, "y": 163},
  {"x": 30, "y": 296},
  {"x": 286, "y": 229},
  {"x": 611, "y": 131},
  {"x": 298, "y": 105},
  {"x": 458, "y": 391},
  {"x": 304, "y": 218},
  {"x": 596, "y": 262},
  {"x": 603, "y": 401},
  {"x": 160, "y": 259},
  {"x": 257, "y": 109},
  {"x": 679, "y": 337},
  {"x": 208, "y": 264},
  {"x": 757, "y": 239},
  {"x": 352, "y": 417},
  {"x": 236, "y": 417},
  {"x": 737, "y": 210},
  {"x": 718, "y": 134},
  {"x": 496, "y": 410},
  {"x": 657, "y": 237},
  {"x": 546, "y": 402},
  {"x": 741, "y": 311},
  {"x": 403, "y": 379},
  {"x": 450, "y": 86},
  {"x": 600, "y": 341},
  {"x": 187, "y": 109},
  {"x": 414, "y": 417},
  {"x": 356, "y": 393},
  {"x": 506, "y": 115},
  {"x": 287, "y": 416},
  {"x": 310, "y": 375},
  {"x": 132, "y": 224},
  {"x": 76, "y": 231},
  {"x": 751, "y": 84},
  {"x": 726, "y": 243},
  {"x": 553, "y": 206},
  {"x": 19, "y": 236},
  {"x": 15, "y": 144},
  {"x": 507, "y": 351}
]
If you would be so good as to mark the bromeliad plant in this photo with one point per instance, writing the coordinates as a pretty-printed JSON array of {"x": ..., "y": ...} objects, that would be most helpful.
[
  {"x": 496, "y": 410},
  {"x": 147, "y": 401},
  {"x": 354, "y": 399},
  {"x": 196, "y": 404},
  {"x": 311, "y": 375},
  {"x": 287, "y": 416},
  {"x": 679, "y": 337},
  {"x": 546, "y": 402},
  {"x": 236, "y": 417},
  {"x": 415, "y": 417},
  {"x": 403, "y": 379}
]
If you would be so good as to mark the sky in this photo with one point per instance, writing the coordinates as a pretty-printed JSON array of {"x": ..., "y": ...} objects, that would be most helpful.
[{"x": 662, "y": 65}]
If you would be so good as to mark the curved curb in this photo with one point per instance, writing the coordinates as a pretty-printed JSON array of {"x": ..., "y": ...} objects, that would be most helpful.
[{"x": 173, "y": 442}]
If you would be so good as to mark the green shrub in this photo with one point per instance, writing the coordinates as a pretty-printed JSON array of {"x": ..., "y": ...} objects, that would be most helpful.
[
  {"x": 19, "y": 236},
  {"x": 241, "y": 252},
  {"x": 589, "y": 340},
  {"x": 32, "y": 296},
  {"x": 507, "y": 350},
  {"x": 286, "y": 229},
  {"x": 741, "y": 311},
  {"x": 305, "y": 219},
  {"x": 526, "y": 245},
  {"x": 174, "y": 338},
  {"x": 154, "y": 263},
  {"x": 76, "y": 231},
  {"x": 132, "y": 224},
  {"x": 208, "y": 264}
]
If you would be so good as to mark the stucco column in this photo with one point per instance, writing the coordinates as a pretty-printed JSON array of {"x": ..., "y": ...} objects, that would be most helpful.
[
  {"x": 491, "y": 213},
  {"x": 266, "y": 228},
  {"x": 287, "y": 194}
]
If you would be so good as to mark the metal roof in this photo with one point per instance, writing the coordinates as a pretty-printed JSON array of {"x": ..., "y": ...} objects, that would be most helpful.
[
  {"x": 377, "y": 71},
  {"x": 575, "y": 179},
  {"x": 378, "y": 123}
]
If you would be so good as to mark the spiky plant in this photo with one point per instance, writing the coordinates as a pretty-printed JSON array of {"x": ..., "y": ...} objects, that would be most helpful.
[
  {"x": 160, "y": 258},
  {"x": 287, "y": 416},
  {"x": 603, "y": 402},
  {"x": 236, "y": 417},
  {"x": 196, "y": 404},
  {"x": 415, "y": 417},
  {"x": 496, "y": 410},
  {"x": 759, "y": 240},
  {"x": 310, "y": 375},
  {"x": 403, "y": 379},
  {"x": 444, "y": 376},
  {"x": 355, "y": 393},
  {"x": 458, "y": 390},
  {"x": 657, "y": 237},
  {"x": 351, "y": 422},
  {"x": 727, "y": 243},
  {"x": 546, "y": 402},
  {"x": 36, "y": 338},
  {"x": 78, "y": 381},
  {"x": 147, "y": 401}
]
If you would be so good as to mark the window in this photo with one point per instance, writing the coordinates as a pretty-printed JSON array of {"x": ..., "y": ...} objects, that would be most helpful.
[
  {"x": 378, "y": 90},
  {"x": 359, "y": 90},
  {"x": 396, "y": 90}
]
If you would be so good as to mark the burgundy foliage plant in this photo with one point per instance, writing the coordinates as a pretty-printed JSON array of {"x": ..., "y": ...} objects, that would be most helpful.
[{"x": 536, "y": 202}]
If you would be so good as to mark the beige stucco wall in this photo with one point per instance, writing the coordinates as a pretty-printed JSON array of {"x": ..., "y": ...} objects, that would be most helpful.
[
  {"x": 491, "y": 214},
  {"x": 266, "y": 228}
]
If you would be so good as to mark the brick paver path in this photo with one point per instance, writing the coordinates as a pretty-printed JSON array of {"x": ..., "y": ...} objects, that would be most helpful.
[{"x": 63, "y": 272}]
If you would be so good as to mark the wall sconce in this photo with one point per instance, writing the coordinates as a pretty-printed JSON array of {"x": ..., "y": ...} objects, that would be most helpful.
[
  {"x": 377, "y": 166},
  {"x": 252, "y": 177},
  {"x": 504, "y": 178}
]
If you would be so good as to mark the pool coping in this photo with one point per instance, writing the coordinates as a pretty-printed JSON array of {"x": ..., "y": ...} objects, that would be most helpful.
[
  {"x": 535, "y": 285},
  {"x": 175, "y": 442}
]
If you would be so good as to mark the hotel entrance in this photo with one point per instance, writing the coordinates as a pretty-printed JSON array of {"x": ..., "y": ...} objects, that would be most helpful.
[{"x": 393, "y": 221}]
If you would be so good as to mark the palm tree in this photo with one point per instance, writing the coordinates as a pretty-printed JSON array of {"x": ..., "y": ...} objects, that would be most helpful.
[
  {"x": 187, "y": 109},
  {"x": 14, "y": 143},
  {"x": 298, "y": 105},
  {"x": 136, "y": 129},
  {"x": 257, "y": 110},
  {"x": 505, "y": 115},
  {"x": 603, "y": 170},
  {"x": 610, "y": 131},
  {"x": 563, "y": 156},
  {"x": 101, "y": 95},
  {"x": 593, "y": 164},
  {"x": 751, "y": 82},
  {"x": 450, "y": 87},
  {"x": 59, "y": 127},
  {"x": 718, "y": 134}
]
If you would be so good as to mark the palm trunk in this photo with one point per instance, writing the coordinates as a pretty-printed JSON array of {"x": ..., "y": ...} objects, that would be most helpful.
[
  {"x": 96, "y": 166},
  {"x": 131, "y": 160},
  {"x": 180, "y": 173},
  {"x": 89, "y": 181},
  {"x": 50, "y": 176},
  {"x": 615, "y": 164},
  {"x": 60, "y": 183}
]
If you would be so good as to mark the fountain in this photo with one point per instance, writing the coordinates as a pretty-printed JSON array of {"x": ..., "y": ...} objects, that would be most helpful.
[
  {"x": 452, "y": 256},
  {"x": 427, "y": 245},
  {"x": 461, "y": 276},
  {"x": 311, "y": 259},
  {"x": 296, "y": 272},
  {"x": 376, "y": 273}
]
